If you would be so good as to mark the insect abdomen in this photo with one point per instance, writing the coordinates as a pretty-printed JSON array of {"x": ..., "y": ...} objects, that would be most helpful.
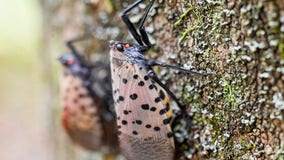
[
  {"x": 152, "y": 148},
  {"x": 80, "y": 117}
]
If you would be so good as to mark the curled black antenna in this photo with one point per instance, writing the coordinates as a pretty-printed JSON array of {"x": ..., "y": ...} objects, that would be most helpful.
[{"x": 141, "y": 38}]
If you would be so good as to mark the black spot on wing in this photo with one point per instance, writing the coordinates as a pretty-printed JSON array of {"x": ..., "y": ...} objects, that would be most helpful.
[
  {"x": 124, "y": 122},
  {"x": 141, "y": 84},
  {"x": 157, "y": 128},
  {"x": 157, "y": 100},
  {"x": 162, "y": 95},
  {"x": 145, "y": 106},
  {"x": 170, "y": 134},
  {"x": 116, "y": 91},
  {"x": 166, "y": 121},
  {"x": 124, "y": 80},
  {"x": 135, "y": 132},
  {"x": 167, "y": 107},
  {"x": 146, "y": 78},
  {"x": 151, "y": 86},
  {"x": 121, "y": 98},
  {"x": 133, "y": 96},
  {"x": 139, "y": 122},
  {"x": 162, "y": 111},
  {"x": 135, "y": 76},
  {"x": 153, "y": 109},
  {"x": 148, "y": 126}
]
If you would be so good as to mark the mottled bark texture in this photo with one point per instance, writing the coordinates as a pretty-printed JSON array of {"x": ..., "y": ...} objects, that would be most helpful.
[{"x": 236, "y": 113}]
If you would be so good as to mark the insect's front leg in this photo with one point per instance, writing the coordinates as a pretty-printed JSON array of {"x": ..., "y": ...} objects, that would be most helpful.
[
  {"x": 70, "y": 44},
  {"x": 141, "y": 28},
  {"x": 129, "y": 24},
  {"x": 143, "y": 37},
  {"x": 158, "y": 63}
]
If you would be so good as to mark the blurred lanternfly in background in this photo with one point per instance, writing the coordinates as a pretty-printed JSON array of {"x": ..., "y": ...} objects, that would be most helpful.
[{"x": 88, "y": 115}]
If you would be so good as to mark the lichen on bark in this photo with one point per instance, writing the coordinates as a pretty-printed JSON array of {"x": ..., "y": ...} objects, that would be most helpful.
[{"x": 237, "y": 113}]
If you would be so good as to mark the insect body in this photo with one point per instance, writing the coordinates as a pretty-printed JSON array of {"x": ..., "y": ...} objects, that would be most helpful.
[
  {"x": 142, "y": 108},
  {"x": 141, "y": 101},
  {"x": 86, "y": 116}
]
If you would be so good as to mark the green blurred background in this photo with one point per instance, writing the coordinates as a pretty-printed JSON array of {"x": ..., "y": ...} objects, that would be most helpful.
[{"x": 21, "y": 133}]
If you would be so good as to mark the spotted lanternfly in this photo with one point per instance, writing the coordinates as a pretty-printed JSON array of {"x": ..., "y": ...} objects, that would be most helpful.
[
  {"x": 142, "y": 102},
  {"x": 87, "y": 117}
]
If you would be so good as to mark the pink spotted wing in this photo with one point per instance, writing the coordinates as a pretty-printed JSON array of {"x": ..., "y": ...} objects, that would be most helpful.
[
  {"x": 143, "y": 125},
  {"x": 80, "y": 115}
]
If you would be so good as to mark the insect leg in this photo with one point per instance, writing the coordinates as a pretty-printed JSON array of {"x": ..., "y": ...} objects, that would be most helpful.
[
  {"x": 129, "y": 24},
  {"x": 72, "y": 47},
  {"x": 156, "y": 79},
  {"x": 183, "y": 113},
  {"x": 104, "y": 82},
  {"x": 142, "y": 31},
  {"x": 158, "y": 63},
  {"x": 100, "y": 88}
]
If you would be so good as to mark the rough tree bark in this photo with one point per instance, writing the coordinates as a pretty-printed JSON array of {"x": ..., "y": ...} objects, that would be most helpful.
[{"x": 236, "y": 113}]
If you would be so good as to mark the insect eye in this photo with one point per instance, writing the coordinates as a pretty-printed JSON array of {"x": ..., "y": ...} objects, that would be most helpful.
[
  {"x": 119, "y": 47},
  {"x": 69, "y": 62},
  {"x": 127, "y": 46}
]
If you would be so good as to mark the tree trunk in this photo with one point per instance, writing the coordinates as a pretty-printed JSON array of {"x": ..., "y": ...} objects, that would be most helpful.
[{"x": 237, "y": 113}]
